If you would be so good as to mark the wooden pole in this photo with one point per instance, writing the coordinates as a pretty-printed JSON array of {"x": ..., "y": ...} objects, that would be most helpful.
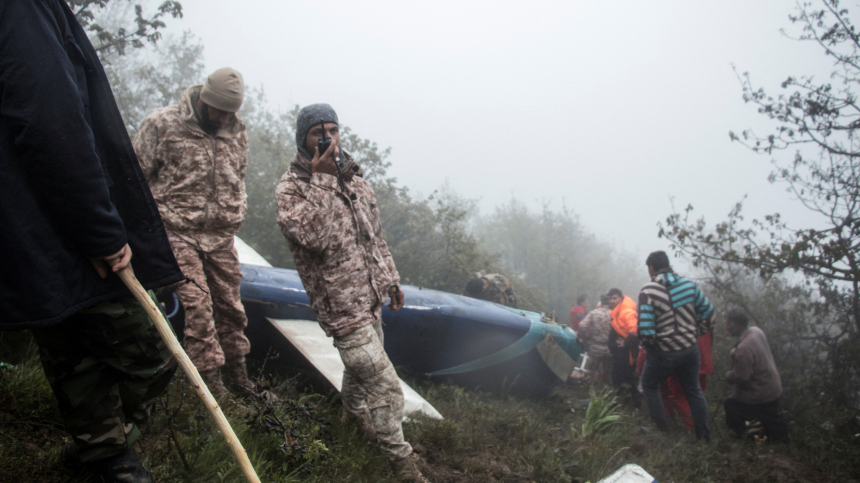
[{"x": 187, "y": 366}]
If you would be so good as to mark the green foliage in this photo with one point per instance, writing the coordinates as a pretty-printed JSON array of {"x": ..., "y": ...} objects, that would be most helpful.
[
  {"x": 155, "y": 71},
  {"x": 498, "y": 438},
  {"x": 553, "y": 258},
  {"x": 430, "y": 239},
  {"x": 602, "y": 412},
  {"x": 813, "y": 322},
  {"x": 271, "y": 149},
  {"x": 484, "y": 437},
  {"x": 817, "y": 121},
  {"x": 26, "y": 393},
  {"x": 810, "y": 333},
  {"x": 302, "y": 436},
  {"x": 31, "y": 431},
  {"x": 152, "y": 79},
  {"x": 491, "y": 438},
  {"x": 145, "y": 28}
]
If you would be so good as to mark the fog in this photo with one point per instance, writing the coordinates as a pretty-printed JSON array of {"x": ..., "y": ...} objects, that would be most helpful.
[{"x": 612, "y": 108}]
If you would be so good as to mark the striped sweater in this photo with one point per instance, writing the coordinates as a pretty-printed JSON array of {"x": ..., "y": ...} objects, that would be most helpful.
[{"x": 673, "y": 312}]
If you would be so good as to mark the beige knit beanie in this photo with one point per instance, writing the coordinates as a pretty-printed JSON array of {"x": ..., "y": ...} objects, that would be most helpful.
[{"x": 224, "y": 89}]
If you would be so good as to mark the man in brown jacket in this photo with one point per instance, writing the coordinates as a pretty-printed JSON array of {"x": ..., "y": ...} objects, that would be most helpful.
[
  {"x": 194, "y": 156},
  {"x": 331, "y": 223},
  {"x": 757, "y": 381}
]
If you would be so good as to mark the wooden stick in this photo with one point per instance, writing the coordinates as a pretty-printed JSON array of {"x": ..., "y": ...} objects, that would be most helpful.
[{"x": 211, "y": 404}]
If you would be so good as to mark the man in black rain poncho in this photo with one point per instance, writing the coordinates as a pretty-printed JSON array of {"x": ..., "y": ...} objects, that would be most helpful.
[{"x": 74, "y": 205}]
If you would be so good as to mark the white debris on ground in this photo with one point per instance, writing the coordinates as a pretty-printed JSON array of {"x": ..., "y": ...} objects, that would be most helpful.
[{"x": 629, "y": 474}]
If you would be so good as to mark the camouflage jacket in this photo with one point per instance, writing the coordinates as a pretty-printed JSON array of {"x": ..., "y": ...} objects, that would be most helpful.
[
  {"x": 336, "y": 241},
  {"x": 197, "y": 180},
  {"x": 594, "y": 331}
]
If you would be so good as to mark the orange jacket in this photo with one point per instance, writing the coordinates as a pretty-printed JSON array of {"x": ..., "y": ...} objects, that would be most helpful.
[{"x": 624, "y": 317}]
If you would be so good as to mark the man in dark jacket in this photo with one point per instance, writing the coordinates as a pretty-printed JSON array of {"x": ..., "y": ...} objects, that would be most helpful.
[
  {"x": 74, "y": 205},
  {"x": 758, "y": 386}
]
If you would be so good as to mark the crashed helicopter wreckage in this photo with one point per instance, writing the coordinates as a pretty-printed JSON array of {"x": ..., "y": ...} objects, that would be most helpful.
[{"x": 437, "y": 335}]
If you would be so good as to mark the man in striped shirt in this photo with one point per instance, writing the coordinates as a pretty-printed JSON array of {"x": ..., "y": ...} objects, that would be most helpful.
[{"x": 673, "y": 313}]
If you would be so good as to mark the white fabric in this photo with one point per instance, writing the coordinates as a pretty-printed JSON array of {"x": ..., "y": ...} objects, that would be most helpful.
[
  {"x": 309, "y": 338},
  {"x": 248, "y": 255},
  {"x": 629, "y": 474}
]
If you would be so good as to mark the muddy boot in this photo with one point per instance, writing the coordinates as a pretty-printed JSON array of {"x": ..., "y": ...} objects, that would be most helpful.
[
  {"x": 69, "y": 456},
  {"x": 123, "y": 468},
  {"x": 365, "y": 429},
  {"x": 407, "y": 470},
  {"x": 237, "y": 378},
  {"x": 216, "y": 386}
]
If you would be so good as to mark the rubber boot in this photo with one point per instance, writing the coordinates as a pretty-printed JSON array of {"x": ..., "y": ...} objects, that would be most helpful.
[
  {"x": 237, "y": 378},
  {"x": 407, "y": 470},
  {"x": 213, "y": 381},
  {"x": 365, "y": 429},
  {"x": 123, "y": 468}
]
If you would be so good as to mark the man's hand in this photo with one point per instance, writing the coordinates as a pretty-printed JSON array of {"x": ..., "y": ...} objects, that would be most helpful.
[
  {"x": 118, "y": 261},
  {"x": 325, "y": 163},
  {"x": 397, "y": 298}
]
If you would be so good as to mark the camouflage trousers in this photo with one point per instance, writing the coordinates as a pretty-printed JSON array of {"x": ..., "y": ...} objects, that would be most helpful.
[
  {"x": 106, "y": 366},
  {"x": 371, "y": 389},
  {"x": 214, "y": 322}
]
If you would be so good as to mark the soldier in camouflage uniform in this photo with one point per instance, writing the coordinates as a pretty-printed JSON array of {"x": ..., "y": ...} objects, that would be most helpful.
[
  {"x": 335, "y": 236},
  {"x": 594, "y": 332},
  {"x": 492, "y": 288},
  {"x": 74, "y": 205},
  {"x": 194, "y": 156}
]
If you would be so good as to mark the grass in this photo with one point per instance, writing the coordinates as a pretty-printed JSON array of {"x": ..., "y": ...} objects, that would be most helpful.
[
  {"x": 603, "y": 411},
  {"x": 484, "y": 438}
]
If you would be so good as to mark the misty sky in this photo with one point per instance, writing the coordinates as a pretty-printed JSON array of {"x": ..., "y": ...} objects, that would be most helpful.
[{"x": 609, "y": 107}]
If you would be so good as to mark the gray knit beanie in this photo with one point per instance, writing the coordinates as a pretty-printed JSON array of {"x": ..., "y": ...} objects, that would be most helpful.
[
  {"x": 309, "y": 117},
  {"x": 224, "y": 89}
]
